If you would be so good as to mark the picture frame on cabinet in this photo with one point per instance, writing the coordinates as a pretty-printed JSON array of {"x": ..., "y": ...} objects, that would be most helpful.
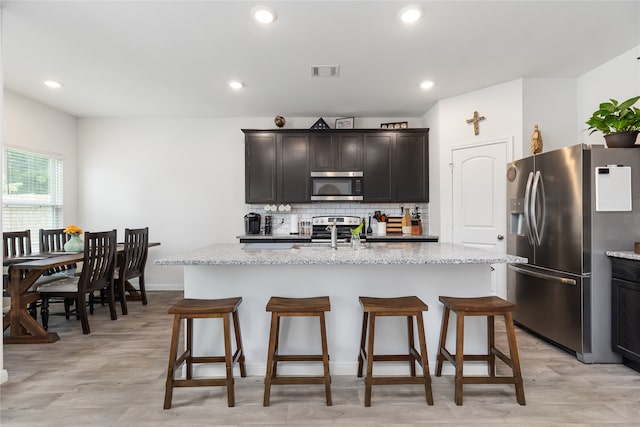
[{"x": 345, "y": 123}]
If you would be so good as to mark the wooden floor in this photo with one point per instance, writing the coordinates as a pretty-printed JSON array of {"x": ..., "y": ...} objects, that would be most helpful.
[{"x": 115, "y": 377}]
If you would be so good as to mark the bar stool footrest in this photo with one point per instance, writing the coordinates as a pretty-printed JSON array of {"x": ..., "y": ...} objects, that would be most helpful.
[
  {"x": 396, "y": 380},
  {"x": 298, "y": 358},
  {"x": 201, "y": 382},
  {"x": 298, "y": 380}
]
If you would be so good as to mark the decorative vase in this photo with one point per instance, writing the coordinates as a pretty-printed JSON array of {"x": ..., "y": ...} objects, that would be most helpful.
[
  {"x": 621, "y": 139},
  {"x": 74, "y": 244}
]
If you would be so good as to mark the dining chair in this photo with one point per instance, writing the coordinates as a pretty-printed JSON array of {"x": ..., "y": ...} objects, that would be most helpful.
[
  {"x": 16, "y": 244},
  {"x": 97, "y": 274},
  {"x": 53, "y": 240},
  {"x": 131, "y": 264}
]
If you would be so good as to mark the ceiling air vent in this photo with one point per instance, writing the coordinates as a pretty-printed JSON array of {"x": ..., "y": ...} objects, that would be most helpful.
[{"x": 325, "y": 70}]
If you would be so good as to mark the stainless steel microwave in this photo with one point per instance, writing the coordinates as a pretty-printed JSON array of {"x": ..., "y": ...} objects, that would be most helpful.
[{"x": 336, "y": 186}]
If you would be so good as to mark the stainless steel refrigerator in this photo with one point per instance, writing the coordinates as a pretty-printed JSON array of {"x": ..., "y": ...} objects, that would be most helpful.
[{"x": 563, "y": 218}]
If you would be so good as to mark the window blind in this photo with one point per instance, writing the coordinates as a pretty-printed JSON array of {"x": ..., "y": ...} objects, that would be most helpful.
[{"x": 32, "y": 195}]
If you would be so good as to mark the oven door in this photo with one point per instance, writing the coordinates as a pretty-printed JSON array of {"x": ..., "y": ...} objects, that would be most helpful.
[{"x": 336, "y": 188}]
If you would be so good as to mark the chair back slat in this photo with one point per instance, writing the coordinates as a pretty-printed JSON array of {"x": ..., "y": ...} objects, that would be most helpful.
[
  {"x": 16, "y": 243},
  {"x": 99, "y": 261},
  {"x": 53, "y": 240}
]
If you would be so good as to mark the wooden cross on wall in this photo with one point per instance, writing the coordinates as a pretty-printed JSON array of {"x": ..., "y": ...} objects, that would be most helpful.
[{"x": 475, "y": 119}]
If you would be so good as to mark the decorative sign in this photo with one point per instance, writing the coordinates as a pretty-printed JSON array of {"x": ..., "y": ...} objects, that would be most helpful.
[
  {"x": 394, "y": 125},
  {"x": 475, "y": 119},
  {"x": 512, "y": 172}
]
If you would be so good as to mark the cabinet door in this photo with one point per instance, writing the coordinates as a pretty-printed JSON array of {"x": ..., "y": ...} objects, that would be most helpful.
[
  {"x": 625, "y": 326},
  {"x": 321, "y": 153},
  {"x": 412, "y": 168},
  {"x": 378, "y": 152},
  {"x": 294, "y": 169},
  {"x": 260, "y": 168},
  {"x": 348, "y": 152}
]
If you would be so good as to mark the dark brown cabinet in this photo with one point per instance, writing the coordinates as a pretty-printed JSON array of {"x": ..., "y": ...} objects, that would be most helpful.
[
  {"x": 378, "y": 167},
  {"x": 276, "y": 167},
  {"x": 260, "y": 168},
  {"x": 336, "y": 152},
  {"x": 396, "y": 167},
  {"x": 625, "y": 310},
  {"x": 278, "y": 163}
]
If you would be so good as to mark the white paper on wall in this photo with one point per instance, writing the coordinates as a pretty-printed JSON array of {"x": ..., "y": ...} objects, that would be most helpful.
[{"x": 613, "y": 188}]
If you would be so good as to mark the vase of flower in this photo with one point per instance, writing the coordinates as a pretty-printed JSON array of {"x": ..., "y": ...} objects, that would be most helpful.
[{"x": 75, "y": 242}]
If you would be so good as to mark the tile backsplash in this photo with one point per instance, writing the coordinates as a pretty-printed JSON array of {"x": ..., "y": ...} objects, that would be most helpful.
[{"x": 306, "y": 211}]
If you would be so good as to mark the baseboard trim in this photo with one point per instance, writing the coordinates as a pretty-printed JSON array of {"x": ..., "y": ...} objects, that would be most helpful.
[{"x": 164, "y": 287}]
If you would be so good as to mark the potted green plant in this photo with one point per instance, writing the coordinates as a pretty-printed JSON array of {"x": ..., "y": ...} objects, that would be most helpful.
[{"x": 618, "y": 122}]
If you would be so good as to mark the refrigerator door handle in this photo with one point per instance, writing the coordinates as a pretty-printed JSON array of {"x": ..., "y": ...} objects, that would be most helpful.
[
  {"x": 562, "y": 280},
  {"x": 527, "y": 213},
  {"x": 537, "y": 228}
]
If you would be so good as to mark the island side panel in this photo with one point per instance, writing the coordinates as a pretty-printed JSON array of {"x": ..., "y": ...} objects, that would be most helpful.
[{"x": 343, "y": 284}]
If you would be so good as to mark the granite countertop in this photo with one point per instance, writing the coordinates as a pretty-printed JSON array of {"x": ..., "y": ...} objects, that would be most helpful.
[
  {"x": 397, "y": 236},
  {"x": 310, "y": 254},
  {"x": 623, "y": 254}
]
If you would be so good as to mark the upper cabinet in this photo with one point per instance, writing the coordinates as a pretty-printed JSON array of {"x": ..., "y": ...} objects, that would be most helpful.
[
  {"x": 276, "y": 167},
  {"x": 278, "y": 163},
  {"x": 336, "y": 152},
  {"x": 396, "y": 166}
]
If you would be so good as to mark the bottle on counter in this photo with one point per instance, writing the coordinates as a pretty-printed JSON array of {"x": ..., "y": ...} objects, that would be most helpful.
[{"x": 406, "y": 222}]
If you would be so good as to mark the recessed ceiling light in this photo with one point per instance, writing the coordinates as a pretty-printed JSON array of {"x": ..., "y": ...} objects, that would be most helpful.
[
  {"x": 410, "y": 14},
  {"x": 234, "y": 84},
  {"x": 426, "y": 84},
  {"x": 263, "y": 14},
  {"x": 52, "y": 84}
]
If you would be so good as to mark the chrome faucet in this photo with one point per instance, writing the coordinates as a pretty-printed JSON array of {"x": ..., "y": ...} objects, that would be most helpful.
[{"x": 334, "y": 235}]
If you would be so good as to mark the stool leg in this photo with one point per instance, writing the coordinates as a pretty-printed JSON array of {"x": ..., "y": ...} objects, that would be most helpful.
[
  {"x": 325, "y": 359},
  {"x": 274, "y": 373},
  {"x": 491, "y": 344},
  {"x": 424, "y": 359},
  {"x": 515, "y": 360},
  {"x": 228, "y": 360},
  {"x": 370, "y": 353},
  {"x": 363, "y": 339},
  {"x": 273, "y": 334},
  {"x": 412, "y": 363},
  {"x": 173, "y": 355},
  {"x": 189, "y": 348},
  {"x": 443, "y": 341},
  {"x": 459, "y": 357},
  {"x": 239, "y": 347}
]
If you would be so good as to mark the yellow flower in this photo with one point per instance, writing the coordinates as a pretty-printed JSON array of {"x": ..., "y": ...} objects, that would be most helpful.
[{"x": 73, "y": 229}]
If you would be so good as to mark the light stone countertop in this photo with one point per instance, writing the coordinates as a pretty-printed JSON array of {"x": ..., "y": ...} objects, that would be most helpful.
[
  {"x": 623, "y": 254},
  {"x": 314, "y": 254}
]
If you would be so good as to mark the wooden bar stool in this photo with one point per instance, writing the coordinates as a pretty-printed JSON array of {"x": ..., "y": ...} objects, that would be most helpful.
[
  {"x": 190, "y": 309},
  {"x": 411, "y": 307},
  {"x": 481, "y": 306},
  {"x": 289, "y": 307}
]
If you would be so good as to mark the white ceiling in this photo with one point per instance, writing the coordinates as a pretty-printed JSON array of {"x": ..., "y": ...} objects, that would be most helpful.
[{"x": 174, "y": 58}]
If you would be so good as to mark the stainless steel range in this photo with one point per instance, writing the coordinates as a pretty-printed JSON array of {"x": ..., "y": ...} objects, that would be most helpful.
[{"x": 321, "y": 231}]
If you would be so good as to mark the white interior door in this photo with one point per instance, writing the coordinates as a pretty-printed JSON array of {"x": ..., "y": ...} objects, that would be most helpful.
[{"x": 479, "y": 201}]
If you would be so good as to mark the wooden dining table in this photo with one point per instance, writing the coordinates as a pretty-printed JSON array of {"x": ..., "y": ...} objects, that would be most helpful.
[{"x": 24, "y": 271}]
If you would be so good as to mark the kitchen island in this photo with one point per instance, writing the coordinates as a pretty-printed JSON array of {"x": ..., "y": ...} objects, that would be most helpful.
[{"x": 256, "y": 272}]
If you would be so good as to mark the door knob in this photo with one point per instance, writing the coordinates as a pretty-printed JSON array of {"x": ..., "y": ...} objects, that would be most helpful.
[{"x": 500, "y": 237}]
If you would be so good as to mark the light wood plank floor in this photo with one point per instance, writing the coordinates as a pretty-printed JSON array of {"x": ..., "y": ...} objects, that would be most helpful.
[{"x": 115, "y": 377}]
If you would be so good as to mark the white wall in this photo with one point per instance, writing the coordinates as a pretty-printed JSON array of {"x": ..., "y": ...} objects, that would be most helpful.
[
  {"x": 502, "y": 107},
  {"x": 36, "y": 127},
  {"x": 183, "y": 178},
  {"x": 549, "y": 103},
  {"x": 431, "y": 120},
  {"x": 618, "y": 78}
]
